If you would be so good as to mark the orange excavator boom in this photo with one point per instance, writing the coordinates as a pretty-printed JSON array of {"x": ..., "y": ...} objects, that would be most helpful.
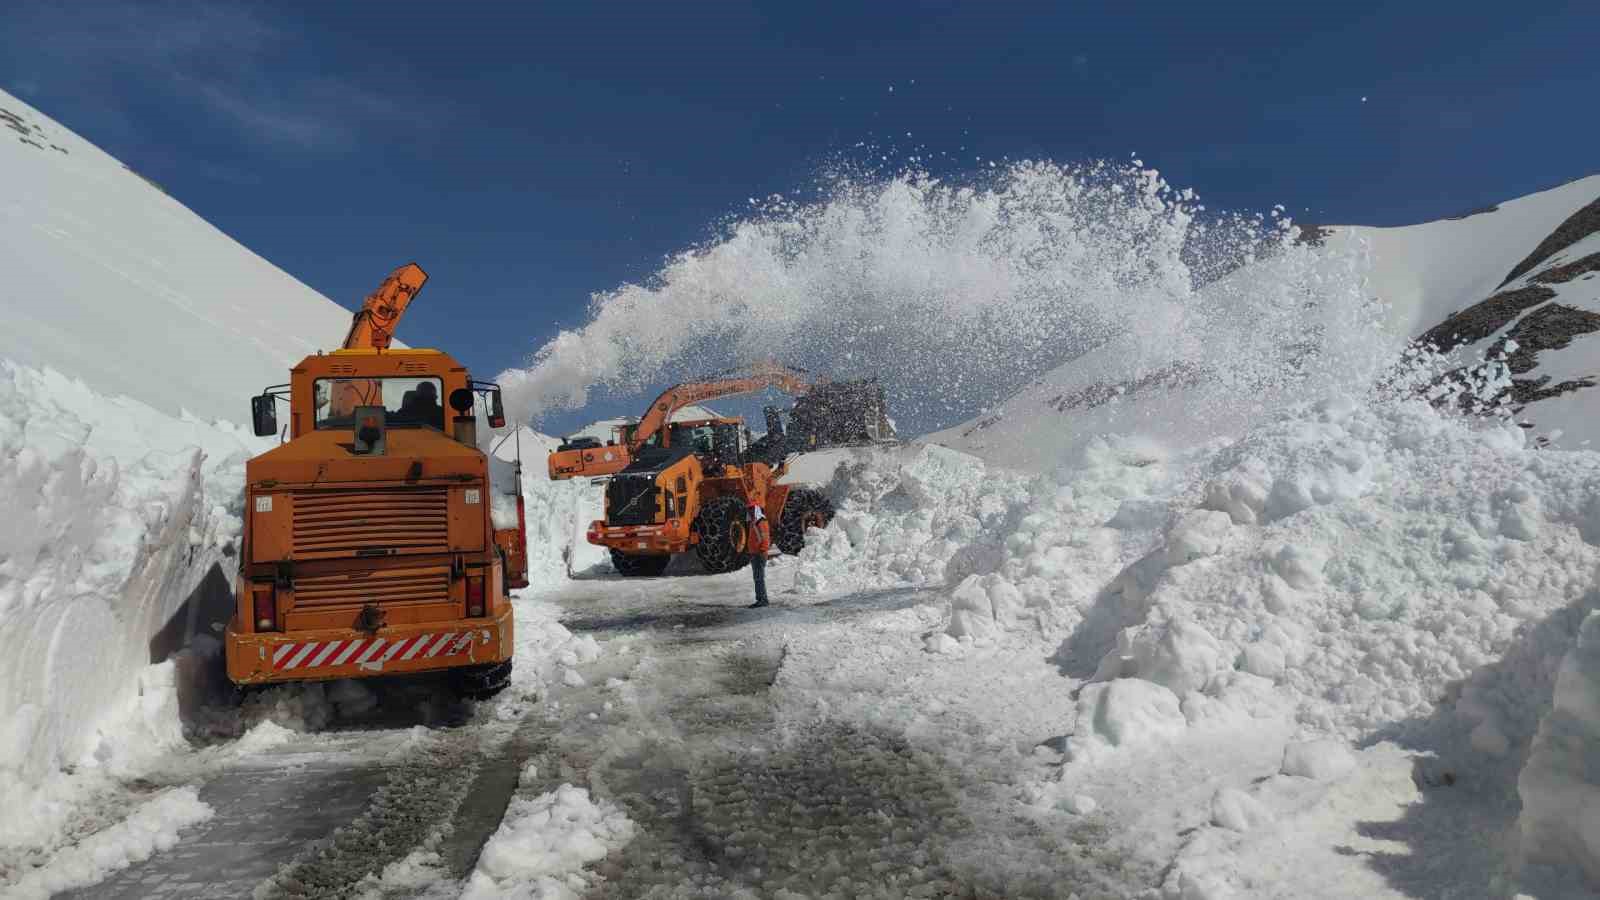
[
  {"x": 374, "y": 324},
  {"x": 761, "y": 375},
  {"x": 591, "y": 461}
]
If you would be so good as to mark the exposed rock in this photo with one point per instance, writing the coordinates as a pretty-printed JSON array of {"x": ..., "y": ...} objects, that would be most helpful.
[
  {"x": 1484, "y": 318},
  {"x": 1563, "y": 274},
  {"x": 1550, "y": 327},
  {"x": 1578, "y": 226},
  {"x": 1176, "y": 375}
]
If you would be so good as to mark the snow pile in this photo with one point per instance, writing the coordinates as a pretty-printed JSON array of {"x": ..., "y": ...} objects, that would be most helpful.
[
  {"x": 902, "y": 522},
  {"x": 558, "y": 512},
  {"x": 1560, "y": 786},
  {"x": 547, "y": 652},
  {"x": 153, "y": 827},
  {"x": 1016, "y": 548},
  {"x": 1373, "y": 555},
  {"x": 114, "y": 282},
  {"x": 544, "y": 844},
  {"x": 1351, "y": 569},
  {"x": 112, "y": 515}
]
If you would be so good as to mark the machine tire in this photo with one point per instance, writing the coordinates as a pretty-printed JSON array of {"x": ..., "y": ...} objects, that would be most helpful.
[
  {"x": 804, "y": 508},
  {"x": 481, "y": 682},
  {"x": 639, "y": 564},
  {"x": 721, "y": 529}
]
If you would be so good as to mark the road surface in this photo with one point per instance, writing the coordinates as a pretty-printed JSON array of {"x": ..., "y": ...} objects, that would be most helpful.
[{"x": 735, "y": 790}]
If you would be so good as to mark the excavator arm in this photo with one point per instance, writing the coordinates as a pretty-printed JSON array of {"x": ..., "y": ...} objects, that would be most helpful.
[
  {"x": 759, "y": 376},
  {"x": 595, "y": 461},
  {"x": 375, "y": 322}
]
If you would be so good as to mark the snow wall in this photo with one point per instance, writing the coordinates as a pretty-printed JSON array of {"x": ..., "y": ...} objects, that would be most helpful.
[
  {"x": 119, "y": 527},
  {"x": 116, "y": 527}
]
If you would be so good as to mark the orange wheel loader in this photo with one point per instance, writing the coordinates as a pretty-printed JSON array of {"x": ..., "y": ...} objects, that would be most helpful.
[
  {"x": 374, "y": 542},
  {"x": 672, "y": 486}
]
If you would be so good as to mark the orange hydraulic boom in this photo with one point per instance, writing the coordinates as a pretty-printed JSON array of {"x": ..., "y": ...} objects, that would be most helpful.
[
  {"x": 375, "y": 322},
  {"x": 596, "y": 461}
]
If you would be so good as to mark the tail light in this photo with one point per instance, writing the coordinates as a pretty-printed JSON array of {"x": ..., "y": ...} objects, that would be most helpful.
[
  {"x": 474, "y": 596},
  {"x": 265, "y": 604}
]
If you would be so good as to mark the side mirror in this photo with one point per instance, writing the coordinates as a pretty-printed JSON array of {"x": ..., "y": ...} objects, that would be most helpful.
[
  {"x": 497, "y": 410},
  {"x": 264, "y": 415}
]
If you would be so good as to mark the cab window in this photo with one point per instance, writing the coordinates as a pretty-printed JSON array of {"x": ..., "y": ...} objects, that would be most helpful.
[{"x": 407, "y": 402}]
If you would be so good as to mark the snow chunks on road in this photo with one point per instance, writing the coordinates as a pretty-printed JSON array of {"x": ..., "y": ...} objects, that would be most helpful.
[{"x": 544, "y": 844}]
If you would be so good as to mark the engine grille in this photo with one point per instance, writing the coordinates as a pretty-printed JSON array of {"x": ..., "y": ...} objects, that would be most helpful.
[
  {"x": 384, "y": 586},
  {"x": 330, "y": 524},
  {"x": 631, "y": 500}
]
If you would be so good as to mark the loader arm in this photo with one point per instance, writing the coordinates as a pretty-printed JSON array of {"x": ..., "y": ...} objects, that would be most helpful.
[{"x": 761, "y": 375}]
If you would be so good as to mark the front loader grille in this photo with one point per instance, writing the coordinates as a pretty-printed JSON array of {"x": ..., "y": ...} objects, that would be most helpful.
[
  {"x": 631, "y": 500},
  {"x": 332, "y": 524},
  {"x": 384, "y": 586}
]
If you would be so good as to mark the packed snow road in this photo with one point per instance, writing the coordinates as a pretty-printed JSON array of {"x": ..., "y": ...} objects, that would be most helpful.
[{"x": 667, "y": 764}]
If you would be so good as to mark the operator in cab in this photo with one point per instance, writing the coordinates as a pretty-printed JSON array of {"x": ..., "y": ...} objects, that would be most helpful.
[{"x": 421, "y": 407}]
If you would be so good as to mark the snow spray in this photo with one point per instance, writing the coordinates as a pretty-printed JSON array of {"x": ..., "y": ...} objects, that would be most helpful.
[{"x": 956, "y": 296}]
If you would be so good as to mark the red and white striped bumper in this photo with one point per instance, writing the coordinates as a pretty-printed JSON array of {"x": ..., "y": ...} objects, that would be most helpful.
[{"x": 343, "y": 653}]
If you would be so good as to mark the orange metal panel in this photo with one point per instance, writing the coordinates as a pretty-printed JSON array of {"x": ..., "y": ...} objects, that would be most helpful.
[
  {"x": 321, "y": 654},
  {"x": 468, "y": 517},
  {"x": 271, "y": 515}
]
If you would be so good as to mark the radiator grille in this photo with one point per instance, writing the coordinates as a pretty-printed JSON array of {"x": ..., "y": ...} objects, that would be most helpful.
[
  {"x": 384, "y": 586},
  {"x": 631, "y": 500},
  {"x": 330, "y": 524}
]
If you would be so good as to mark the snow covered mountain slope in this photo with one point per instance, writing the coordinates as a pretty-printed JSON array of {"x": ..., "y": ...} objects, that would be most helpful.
[
  {"x": 1427, "y": 272},
  {"x": 1523, "y": 272},
  {"x": 110, "y": 280}
]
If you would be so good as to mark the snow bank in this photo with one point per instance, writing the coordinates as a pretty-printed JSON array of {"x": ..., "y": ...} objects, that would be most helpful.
[
  {"x": 544, "y": 844},
  {"x": 1365, "y": 566},
  {"x": 111, "y": 514},
  {"x": 558, "y": 512},
  {"x": 1560, "y": 786},
  {"x": 547, "y": 653},
  {"x": 153, "y": 827}
]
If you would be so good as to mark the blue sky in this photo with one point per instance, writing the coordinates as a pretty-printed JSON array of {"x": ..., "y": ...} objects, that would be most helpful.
[{"x": 528, "y": 154}]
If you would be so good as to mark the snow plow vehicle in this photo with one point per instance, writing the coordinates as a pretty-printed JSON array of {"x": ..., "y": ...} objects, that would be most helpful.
[
  {"x": 374, "y": 543},
  {"x": 672, "y": 486}
]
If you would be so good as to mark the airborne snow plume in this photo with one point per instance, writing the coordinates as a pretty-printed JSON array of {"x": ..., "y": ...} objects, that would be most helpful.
[{"x": 956, "y": 295}]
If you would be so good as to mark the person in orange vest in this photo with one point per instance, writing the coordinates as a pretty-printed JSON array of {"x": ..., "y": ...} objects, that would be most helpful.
[{"x": 758, "y": 540}]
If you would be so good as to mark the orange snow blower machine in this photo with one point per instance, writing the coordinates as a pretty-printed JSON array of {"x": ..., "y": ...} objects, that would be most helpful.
[
  {"x": 676, "y": 485},
  {"x": 374, "y": 540}
]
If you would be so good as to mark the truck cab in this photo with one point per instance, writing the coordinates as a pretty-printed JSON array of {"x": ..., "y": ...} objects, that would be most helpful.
[{"x": 374, "y": 540}]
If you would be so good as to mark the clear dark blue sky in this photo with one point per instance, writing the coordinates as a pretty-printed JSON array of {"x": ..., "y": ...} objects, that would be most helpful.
[{"x": 528, "y": 154}]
